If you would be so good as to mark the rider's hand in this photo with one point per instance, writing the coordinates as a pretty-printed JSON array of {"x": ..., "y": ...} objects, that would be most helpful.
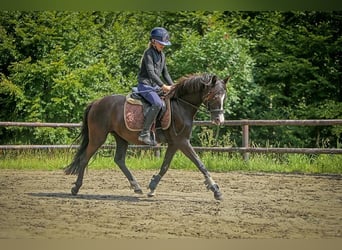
[{"x": 166, "y": 88}]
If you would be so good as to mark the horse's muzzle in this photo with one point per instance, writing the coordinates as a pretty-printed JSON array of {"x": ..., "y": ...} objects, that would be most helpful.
[{"x": 217, "y": 117}]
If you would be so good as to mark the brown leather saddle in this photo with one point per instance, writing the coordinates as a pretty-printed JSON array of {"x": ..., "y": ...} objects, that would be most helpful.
[{"x": 134, "y": 109}]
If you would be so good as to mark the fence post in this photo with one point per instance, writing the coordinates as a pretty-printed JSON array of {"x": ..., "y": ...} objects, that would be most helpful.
[{"x": 245, "y": 140}]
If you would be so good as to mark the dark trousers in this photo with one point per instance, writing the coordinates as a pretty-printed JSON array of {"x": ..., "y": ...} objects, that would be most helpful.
[{"x": 150, "y": 94}]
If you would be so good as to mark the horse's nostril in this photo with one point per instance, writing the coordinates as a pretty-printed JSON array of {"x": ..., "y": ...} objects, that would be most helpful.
[{"x": 216, "y": 121}]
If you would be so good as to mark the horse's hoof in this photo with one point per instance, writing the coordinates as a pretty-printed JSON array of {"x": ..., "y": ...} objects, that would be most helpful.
[
  {"x": 136, "y": 187},
  {"x": 138, "y": 191},
  {"x": 74, "y": 191},
  {"x": 218, "y": 196},
  {"x": 151, "y": 194}
]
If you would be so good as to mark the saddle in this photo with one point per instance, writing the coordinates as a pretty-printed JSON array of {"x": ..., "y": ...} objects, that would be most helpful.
[{"x": 135, "y": 108}]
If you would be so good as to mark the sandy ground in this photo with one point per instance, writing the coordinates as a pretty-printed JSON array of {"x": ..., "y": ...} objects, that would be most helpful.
[{"x": 38, "y": 205}]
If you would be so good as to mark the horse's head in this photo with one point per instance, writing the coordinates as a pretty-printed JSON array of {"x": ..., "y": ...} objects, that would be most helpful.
[
  {"x": 196, "y": 89},
  {"x": 214, "y": 98}
]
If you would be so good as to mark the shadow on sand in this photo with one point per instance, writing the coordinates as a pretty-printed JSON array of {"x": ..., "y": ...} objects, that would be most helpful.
[{"x": 91, "y": 197}]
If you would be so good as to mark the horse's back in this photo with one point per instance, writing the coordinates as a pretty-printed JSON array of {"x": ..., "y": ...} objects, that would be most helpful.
[
  {"x": 108, "y": 103},
  {"x": 110, "y": 100},
  {"x": 107, "y": 110}
]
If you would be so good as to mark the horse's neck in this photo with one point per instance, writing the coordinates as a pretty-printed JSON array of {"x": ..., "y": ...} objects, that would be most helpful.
[
  {"x": 183, "y": 113},
  {"x": 193, "y": 99},
  {"x": 189, "y": 103},
  {"x": 185, "y": 102}
]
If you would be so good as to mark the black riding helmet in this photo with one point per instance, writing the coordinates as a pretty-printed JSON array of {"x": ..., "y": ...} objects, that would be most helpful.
[{"x": 160, "y": 35}]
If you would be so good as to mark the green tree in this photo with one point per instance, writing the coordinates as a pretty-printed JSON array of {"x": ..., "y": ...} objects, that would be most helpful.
[
  {"x": 297, "y": 66},
  {"x": 283, "y": 65},
  {"x": 61, "y": 66}
]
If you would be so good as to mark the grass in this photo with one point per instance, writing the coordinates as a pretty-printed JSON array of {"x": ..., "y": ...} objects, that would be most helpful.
[
  {"x": 215, "y": 162},
  {"x": 281, "y": 163}
]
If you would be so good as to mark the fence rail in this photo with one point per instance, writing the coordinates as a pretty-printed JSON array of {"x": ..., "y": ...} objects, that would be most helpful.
[
  {"x": 197, "y": 149},
  {"x": 245, "y": 124},
  {"x": 327, "y": 122}
]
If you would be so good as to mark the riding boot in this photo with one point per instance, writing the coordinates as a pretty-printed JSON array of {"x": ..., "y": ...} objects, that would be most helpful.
[{"x": 145, "y": 135}]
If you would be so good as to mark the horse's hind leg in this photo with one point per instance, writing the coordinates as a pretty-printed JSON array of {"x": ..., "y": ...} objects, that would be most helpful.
[
  {"x": 120, "y": 160},
  {"x": 83, "y": 163},
  {"x": 96, "y": 139}
]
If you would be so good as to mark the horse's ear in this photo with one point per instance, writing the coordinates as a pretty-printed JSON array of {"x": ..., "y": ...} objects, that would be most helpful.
[
  {"x": 213, "y": 79},
  {"x": 225, "y": 80}
]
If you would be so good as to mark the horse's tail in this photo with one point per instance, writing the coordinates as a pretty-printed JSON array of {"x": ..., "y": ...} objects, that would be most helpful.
[{"x": 74, "y": 166}]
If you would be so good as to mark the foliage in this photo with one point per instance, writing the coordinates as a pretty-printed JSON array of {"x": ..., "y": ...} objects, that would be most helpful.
[
  {"x": 284, "y": 65},
  {"x": 296, "y": 65},
  {"x": 220, "y": 53}
]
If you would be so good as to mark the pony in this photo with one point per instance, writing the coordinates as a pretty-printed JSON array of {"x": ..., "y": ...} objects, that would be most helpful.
[{"x": 106, "y": 116}]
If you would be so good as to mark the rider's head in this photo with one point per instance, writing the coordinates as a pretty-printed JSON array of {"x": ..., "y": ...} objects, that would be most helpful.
[{"x": 160, "y": 35}]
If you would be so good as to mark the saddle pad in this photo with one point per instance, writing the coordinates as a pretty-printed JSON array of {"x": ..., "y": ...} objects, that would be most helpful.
[
  {"x": 131, "y": 100},
  {"x": 134, "y": 116}
]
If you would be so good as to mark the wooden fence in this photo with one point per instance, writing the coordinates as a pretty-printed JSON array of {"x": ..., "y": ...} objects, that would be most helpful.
[{"x": 245, "y": 124}]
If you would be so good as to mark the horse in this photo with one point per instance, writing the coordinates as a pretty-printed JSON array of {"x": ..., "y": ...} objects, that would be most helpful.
[{"x": 106, "y": 116}]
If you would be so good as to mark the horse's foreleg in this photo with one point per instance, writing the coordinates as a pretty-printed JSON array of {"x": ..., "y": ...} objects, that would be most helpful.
[
  {"x": 188, "y": 150},
  {"x": 119, "y": 159},
  {"x": 170, "y": 152}
]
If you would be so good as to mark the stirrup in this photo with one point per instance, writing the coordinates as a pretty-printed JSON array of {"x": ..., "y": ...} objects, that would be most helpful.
[{"x": 146, "y": 138}]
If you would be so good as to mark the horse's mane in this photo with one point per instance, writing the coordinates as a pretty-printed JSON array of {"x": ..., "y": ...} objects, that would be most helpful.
[{"x": 192, "y": 83}]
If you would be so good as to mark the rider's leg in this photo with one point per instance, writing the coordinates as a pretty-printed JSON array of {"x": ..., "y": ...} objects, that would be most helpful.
[
  {"x": 149, "y": 118},
  {"x": 150, "y": 94}
]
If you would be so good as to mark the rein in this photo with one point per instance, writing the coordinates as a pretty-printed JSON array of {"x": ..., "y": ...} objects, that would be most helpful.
[
  {"x": 197, "y": 107},
  {"x": 188, "y": 103}
]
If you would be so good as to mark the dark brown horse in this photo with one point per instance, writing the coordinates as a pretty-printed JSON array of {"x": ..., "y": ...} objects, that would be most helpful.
[{"x": 106, "y": 116}]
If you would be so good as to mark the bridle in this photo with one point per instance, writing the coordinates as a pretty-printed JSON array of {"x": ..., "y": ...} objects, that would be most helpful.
[{"x": 207, "y": 98}]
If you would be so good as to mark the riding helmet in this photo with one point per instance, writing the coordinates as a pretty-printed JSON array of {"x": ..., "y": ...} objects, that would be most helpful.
[{"x": 160, "y": 35}]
